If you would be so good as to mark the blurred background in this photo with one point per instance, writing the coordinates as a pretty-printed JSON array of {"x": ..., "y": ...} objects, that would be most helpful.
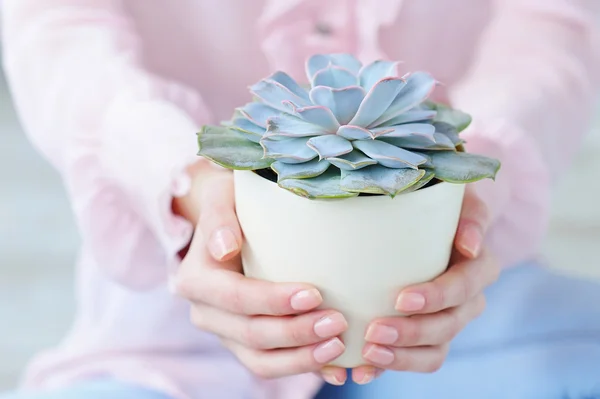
[{"x": 38, "y": 240}]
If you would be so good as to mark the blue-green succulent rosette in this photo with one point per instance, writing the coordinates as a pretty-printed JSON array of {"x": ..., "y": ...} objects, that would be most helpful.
[{"x": 356, "y": 130}]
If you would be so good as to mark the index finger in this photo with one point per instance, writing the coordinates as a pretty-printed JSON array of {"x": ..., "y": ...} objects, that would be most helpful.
[
  {"x": 457, "y": 285},
  {"x": 220, "y": 284}
]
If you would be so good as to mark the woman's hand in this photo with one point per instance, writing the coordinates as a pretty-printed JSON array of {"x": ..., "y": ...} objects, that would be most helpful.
[
  {"x": 438, "y": 310},
  {"x": 272, "y": 328}
]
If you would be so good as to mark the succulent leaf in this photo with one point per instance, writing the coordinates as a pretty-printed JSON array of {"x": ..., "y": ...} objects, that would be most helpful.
[
  {"x": 429, "y": 176},
  {"x": 319, "y": 62},
  {"x": 252, "y": 132},
  {"x": 352, "y": 161},
  {"x": 258, "y": 113},
  {"x": 454, "y": 117},
  {"x": 347, "y": 61},
  {"x": 289, "y": 150},
  {"x": 292, "y": 126},
  {"x": 320, "y": 116},
  {"x": 287, "y": 81},
  {"x": 417, "y": 129},
  {"x": 440, "y": 143},
  {"x": 335, "y": 77},
  {"x": 304, "y": 170},
  {"x": 449, "y": 131},
  {"x": 330, "y": 146},
  {"x": 377, "y": 101},
  {"x": 419, "y": 86},
  {"x": 389, "y": 155},
  {"x": 342, "y": 102},
  {"x": 315, "y": 64},
  {"x": 230, "y": 149},
  {"x": 325, "y": 186},
  {"x": 380, "y": 180},
  {"x": 355, "y": 133},
  {"x": 460, "y": 167},
  {"x": 275, "y": 94},
  {"x": 412, "y": 116},
  {"x": 370, "y": 74}
]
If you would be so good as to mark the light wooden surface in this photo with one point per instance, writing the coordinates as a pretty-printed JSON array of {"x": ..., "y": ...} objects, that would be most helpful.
[{"x": 38, "y": 241}]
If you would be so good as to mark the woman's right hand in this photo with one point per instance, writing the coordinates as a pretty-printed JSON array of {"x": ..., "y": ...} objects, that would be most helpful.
[{"x": 273, "y": 328}]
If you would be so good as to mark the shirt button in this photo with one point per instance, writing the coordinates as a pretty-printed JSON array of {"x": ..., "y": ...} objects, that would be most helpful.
[{"x": 323, "y": 29}]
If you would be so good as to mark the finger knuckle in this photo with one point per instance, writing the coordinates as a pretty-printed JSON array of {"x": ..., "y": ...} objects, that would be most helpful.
[
  {"x": 403, "y": 361},
  {"x": 438, "y": 296},
  {"x": 480, "y": 305},
  {"x": 274, "y": 305},
  {"x": 494, "y": 269},
  {"x": 452, "y": 327},
  {"x": 465, "y": 287},
  {"x": 184, "y": 284},
  {"x": 198, "y": 320},
  {"x": 411, "y": 332},
  {"x": 435, "y": 364},
  {"x": 296, "y": 333},
  {"x": 252, "y": 336},
  {"x": 233, "y": 299},
  {"x": 262, "y": 369}
]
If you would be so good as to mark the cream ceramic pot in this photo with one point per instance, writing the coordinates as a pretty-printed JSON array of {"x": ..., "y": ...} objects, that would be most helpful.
[{"x": 358, "y": 252}]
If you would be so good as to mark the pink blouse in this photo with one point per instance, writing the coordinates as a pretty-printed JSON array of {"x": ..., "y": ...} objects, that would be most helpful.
[{"x": 112, "y": 93}]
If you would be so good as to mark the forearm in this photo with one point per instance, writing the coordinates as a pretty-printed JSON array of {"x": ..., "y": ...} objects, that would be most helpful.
[{"x": 120, "y": 136}]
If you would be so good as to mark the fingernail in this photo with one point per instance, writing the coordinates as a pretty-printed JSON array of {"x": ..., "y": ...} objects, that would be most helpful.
[
  {"x": 472, "y": 238},
  {"x": 379, "y": 355},
  {"x": 331, "y": 378},
  {"x": 380, "y": 334},
  {"x": 329, "y": 351},
  {"x": 306, "y": 300},
  {"x": 222, "y": 243},
  {"x": 363, "y": 376},
  {"x": 330, "y": 326},
  {"x": 410, "y": 302}
]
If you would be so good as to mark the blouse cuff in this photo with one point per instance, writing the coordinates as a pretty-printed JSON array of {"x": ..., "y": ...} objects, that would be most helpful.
[{"x": 151, "y": 165}]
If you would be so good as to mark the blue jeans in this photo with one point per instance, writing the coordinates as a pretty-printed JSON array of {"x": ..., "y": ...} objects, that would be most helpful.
[
  {"x": 101, "y": 389},
  {"x": 538, "y": 339}
]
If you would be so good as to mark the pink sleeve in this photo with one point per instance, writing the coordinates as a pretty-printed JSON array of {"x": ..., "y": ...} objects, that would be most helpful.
[
  {"x": 120, "y": 136},
  {"x": 531, "y": 91}
]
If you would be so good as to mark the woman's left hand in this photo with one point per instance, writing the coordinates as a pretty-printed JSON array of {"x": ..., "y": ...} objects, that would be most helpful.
[{"x": 438, "y": 310}]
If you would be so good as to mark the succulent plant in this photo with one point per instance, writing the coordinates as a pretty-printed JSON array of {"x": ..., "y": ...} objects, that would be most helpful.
[{"x": 356, "y": 129}]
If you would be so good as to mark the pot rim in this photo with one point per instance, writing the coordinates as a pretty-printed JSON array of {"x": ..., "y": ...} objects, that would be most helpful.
[{"x": 361, "y": 197}]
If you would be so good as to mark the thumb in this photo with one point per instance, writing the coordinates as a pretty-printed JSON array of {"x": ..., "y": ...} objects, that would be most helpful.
[
  {"x": 218, "y": 221},
  {"x": 475, "y": 220}
]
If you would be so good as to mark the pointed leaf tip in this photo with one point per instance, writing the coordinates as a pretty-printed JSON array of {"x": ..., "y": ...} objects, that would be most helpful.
[{"x": 461, "y": 167}]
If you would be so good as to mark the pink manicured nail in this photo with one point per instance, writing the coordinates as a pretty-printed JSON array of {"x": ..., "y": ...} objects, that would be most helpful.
[
  {"x": 330, "y": 326},
  {"x": 306, "y": 300},
  {"x": 379, "y": 355},
  {"x": 410, "y": 302},
  {"x": 380, "y": 334},
  {"x": 329, "y": 351},
  {"x": 222, "y": 243},
  {"x": 363, "y": 376},
  {"x": 471, "y": 239},
  {"x": 331, "y": 378}
]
